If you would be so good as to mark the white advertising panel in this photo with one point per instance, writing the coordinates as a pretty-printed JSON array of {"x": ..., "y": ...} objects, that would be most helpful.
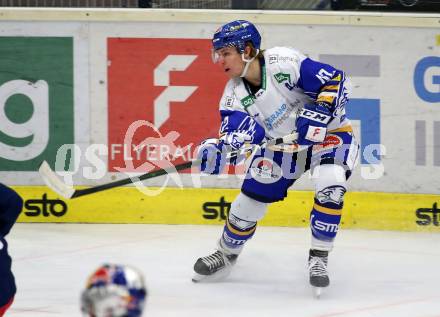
[{"x": 395, "y": 105}]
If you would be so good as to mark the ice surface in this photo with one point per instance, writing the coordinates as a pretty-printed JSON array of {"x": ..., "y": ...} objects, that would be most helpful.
[{"x": 372, "y": 273}]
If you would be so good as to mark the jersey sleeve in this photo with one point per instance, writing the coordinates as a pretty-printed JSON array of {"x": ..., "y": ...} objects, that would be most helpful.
[{"x": 323, "y": 83}]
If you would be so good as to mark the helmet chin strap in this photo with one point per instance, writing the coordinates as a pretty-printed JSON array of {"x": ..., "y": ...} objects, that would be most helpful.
[{"x": 248, "y": 62}]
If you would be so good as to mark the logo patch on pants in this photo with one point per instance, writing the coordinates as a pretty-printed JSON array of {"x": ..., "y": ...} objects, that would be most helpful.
[{"x": 265, "y": 170}]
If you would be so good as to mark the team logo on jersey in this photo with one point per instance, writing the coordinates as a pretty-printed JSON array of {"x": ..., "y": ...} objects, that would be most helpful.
[
  {"x": 283, "y": 77},
  {"x": 332, "y": 194},
  {"x": 247, "y": 101},
  {"x": 265, "y": 170},
  {"x": 280, "y": 77}
]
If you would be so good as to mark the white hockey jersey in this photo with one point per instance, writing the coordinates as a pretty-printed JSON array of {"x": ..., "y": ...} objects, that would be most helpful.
[{"x": 289, "y": 80}]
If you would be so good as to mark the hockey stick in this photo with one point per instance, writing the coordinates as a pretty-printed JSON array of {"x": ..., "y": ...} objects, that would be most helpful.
[
  {"x": 53, "y": 182},
  {"x": 57, "y": 185}
]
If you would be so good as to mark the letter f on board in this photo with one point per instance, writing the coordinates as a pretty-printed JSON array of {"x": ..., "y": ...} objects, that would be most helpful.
[{"x": 171, "y": 93}]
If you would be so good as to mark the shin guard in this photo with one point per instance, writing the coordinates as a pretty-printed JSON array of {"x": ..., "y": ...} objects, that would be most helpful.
[
  {"x": 329, "y": 199},
  {"x": 235, "y": 234},
  {"x": 324, "y": 223}
]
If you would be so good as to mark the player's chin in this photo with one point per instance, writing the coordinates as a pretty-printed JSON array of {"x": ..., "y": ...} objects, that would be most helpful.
[{"x": 230, "y": 73}]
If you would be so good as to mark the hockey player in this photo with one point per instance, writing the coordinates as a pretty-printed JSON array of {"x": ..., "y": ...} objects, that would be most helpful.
[
  {"x": 272, "y": 93},
  {"x": 114, "y": 291},
  {"x": 10, "y": 207}
]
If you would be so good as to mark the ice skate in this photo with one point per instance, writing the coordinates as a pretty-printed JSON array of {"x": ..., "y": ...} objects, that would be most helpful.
[
  {"x": 318, "y": 271},
  {"x": 214, "y": 267}
]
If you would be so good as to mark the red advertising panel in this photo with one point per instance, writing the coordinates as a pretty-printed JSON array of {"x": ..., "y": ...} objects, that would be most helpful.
[{"x": 163, "y": 97}]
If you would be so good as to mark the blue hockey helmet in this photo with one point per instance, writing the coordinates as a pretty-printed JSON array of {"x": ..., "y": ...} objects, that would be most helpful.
[
  {"x": 236, "y": 33},
  {"x": 114, "y": 290}
]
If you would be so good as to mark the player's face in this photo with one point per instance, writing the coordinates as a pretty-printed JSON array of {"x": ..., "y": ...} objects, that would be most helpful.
[{"x": 230, "y": 61}]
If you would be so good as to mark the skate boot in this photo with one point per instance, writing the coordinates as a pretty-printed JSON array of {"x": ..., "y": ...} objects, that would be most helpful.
[
  {"x": 318, "y": 271},
  {"x": 213, "y": 267}
]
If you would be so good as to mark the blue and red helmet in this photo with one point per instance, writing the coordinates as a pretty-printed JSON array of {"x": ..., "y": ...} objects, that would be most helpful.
[
  {"x": 114, "y": 290},
  {"x": 236, "y": 33}
]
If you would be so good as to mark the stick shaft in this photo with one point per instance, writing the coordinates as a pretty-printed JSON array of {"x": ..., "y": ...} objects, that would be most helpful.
[{"x": 126, "y": 181}]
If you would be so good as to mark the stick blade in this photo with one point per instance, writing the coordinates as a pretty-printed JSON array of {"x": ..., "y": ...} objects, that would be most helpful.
[{"x": 53, "y": 182}]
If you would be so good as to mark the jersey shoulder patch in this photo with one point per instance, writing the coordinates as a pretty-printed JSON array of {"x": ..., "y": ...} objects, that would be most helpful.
[{"x": 229, "y": 100}]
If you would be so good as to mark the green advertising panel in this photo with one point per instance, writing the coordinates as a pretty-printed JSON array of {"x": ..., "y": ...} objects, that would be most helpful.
[{"x": 36, "y": 100}]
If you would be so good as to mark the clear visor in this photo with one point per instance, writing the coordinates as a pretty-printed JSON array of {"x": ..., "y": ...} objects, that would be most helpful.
[{"x": 215, "y": 55}]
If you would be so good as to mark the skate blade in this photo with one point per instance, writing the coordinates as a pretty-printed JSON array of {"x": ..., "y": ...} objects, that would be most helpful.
[
  {"x": 317, "y": 292},
  {"x": 216, "y": 277}
]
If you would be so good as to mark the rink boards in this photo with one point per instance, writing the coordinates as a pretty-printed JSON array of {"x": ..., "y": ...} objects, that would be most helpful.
[
  {"x": 108, "y": 80},
  {"x": 377, "y": 211}
]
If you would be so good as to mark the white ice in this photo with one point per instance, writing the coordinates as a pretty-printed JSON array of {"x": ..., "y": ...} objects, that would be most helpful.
[{"x": 372, "y": 273}]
